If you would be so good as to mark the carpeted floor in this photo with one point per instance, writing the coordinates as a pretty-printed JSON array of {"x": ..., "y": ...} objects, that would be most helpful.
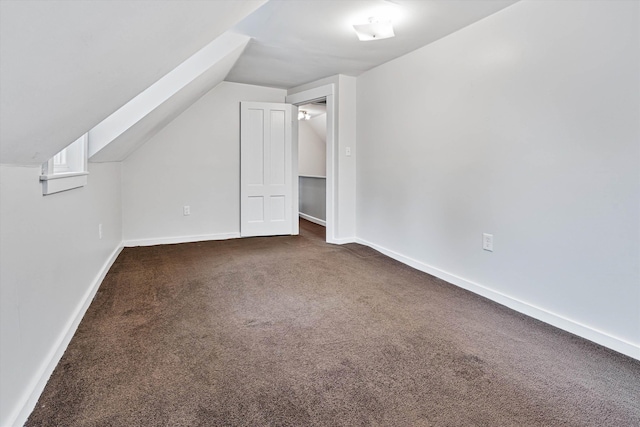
[{"x": 291, "y": 331}]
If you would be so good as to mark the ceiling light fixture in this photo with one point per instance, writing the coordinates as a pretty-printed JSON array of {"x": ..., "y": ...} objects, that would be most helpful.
[
  {"x": 303, "y": 115},
  {"x": 375, "y": 29}
]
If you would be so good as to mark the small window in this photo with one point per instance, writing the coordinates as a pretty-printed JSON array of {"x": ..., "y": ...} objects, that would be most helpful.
[
  {"x": 67, "y": 169},
  {"x": 60, "y": 164}
]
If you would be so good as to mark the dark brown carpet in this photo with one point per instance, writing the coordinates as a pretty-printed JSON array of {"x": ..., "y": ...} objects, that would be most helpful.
[{"x": 291, "y": 331}]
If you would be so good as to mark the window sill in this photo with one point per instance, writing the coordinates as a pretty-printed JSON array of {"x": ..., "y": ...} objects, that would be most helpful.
[{"x": 62, "y": 182}]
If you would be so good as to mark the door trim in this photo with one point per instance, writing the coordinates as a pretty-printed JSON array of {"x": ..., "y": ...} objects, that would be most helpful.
[{"x": 304, "y": 97}]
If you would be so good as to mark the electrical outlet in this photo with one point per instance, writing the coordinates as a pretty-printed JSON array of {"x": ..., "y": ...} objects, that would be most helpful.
[
  {"x": 99, "y": 231},
  {"x": 487, "y": 242},
  {"x": 186, "y": 210}
]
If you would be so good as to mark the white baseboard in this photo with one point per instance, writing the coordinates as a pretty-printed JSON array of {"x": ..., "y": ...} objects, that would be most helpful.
[
  {"x": 313, "y": 219},
  {"x": 35, "y": 388},
  {"x": 587, "y": 332},
  {"x": 342, "y": 240},
  {"x": 180, "y": 239}
]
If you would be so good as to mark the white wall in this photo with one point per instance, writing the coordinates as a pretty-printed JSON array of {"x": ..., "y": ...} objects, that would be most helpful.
[
  {"x": 312, "y": 147},
  {"x": 523, "y": 125},
  {"x": 347, "y": 163},
  {"x": 194, "y": 161},
  {"x": 51, "y": 260}
]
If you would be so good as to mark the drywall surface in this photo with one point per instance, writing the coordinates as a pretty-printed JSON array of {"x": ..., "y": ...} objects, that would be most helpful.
[
  {"x": 194, "y": 161},
  {"x": 313, "y": 197},
  {"x": 51, "y": 255},
  {"x": 523, "y": 125},
  {"x": 347, "y": 157},
  {"x": 312, "y": 146}
]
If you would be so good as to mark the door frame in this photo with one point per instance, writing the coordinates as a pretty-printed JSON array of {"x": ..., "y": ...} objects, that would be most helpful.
[{"x": 323, "y": 92}]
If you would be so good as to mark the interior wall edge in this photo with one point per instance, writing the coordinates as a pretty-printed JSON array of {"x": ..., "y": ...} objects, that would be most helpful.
[
  {"x": 32, "y": 393},
  {"x": 539, "y": 313}
]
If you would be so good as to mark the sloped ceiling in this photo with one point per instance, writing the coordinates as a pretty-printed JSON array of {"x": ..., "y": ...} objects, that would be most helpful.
[
  {"x": 319, "y": 126},
  {"x": 318, "y": 121},
  {"x": 67, "y": 65},
  {"x": 132, "y": 125}
]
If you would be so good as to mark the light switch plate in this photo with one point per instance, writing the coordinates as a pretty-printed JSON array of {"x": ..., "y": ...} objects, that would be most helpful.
[{"x": 487, "y": 242}]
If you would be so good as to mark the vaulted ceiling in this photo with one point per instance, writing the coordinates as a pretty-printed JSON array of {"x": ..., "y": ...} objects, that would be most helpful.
[
  {"x": 68, "y": 67},
  {"x": 132, "y": 125}
]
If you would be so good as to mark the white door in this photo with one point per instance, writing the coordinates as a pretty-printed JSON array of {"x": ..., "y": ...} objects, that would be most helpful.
[{"x": 267, "y": 169}]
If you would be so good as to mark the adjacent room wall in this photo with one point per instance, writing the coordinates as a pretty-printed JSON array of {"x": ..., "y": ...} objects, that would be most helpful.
[
  {"x": 312, "y": 168},
  {"x": 194, "y": 161},
  {"x": 312, "y": 147},
  {"x": 52, "y": 260},
  {"x": 523, "y": 125},
  {"x": 312, "y": 201}
]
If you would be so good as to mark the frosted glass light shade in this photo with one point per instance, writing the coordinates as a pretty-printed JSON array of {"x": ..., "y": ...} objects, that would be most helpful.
[{"x": 374, "y": 30}]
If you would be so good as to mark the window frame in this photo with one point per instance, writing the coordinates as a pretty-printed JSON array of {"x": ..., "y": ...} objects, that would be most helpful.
[{"x": 56, "y": 177}]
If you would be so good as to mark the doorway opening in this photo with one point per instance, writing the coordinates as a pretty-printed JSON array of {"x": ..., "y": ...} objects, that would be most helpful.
[
  {"x": 322, "y": 95},
  {"x": 312, "y": 161}
]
